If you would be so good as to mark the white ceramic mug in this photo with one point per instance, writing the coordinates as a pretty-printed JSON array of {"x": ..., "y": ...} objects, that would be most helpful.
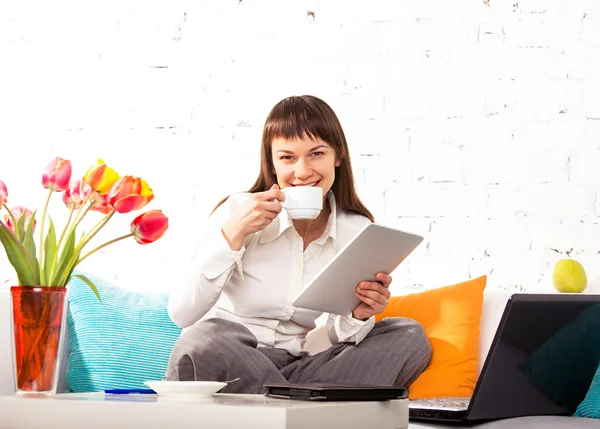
[{"x": 303, "y": 202}]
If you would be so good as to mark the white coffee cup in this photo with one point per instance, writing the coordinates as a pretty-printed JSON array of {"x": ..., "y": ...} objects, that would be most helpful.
[{"x": 303, "y": 202}]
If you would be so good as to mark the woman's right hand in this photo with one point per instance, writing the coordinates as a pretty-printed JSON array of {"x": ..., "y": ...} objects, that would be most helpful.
[{"x": 258, "y": 212}]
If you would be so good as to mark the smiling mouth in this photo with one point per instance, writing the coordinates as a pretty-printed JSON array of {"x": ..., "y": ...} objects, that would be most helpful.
[{"x": 309, "y": 184}]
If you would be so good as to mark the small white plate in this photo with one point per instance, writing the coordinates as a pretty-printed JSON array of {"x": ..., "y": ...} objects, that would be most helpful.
[{"x": 187, "y": 389}]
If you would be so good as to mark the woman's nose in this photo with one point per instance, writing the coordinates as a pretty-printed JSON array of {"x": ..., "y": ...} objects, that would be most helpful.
[{"x": 302, "y": 170}]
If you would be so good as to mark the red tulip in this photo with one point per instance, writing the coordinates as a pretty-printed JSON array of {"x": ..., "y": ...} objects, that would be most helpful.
[
  {"x": 3, "y": 193},
  {"x": 17, "y": 213},
  {"x": 149, "y": 227},
  {"x": 57, "y": 175},
  {"x": 129, "y": 193}
]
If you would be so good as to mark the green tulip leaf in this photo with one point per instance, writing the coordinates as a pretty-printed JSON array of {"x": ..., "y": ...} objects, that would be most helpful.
[
  {"x": 29, "y": 245},
  {"x": 18, "y": 257},
  {"x": 20, "y": 227},
  {"x": 72, "y": 264},
  {"x": 90, "y": 284},
  {"x": 63, "y": 268},
  {"x": 49, "y": 252}
]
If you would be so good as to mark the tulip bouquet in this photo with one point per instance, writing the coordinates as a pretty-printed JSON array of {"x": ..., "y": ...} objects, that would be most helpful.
[{"x": 52, "y": 261}]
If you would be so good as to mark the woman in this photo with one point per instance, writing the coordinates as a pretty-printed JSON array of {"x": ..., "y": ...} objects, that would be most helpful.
[{"x": 254, "y": 260}]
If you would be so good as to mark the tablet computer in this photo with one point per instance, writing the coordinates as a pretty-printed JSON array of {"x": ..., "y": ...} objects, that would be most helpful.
[
  {"x": 311, "y": 392},
  {"x": 375, "y": 248}
]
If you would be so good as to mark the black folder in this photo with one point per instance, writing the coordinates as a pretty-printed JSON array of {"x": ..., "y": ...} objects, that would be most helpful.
[{"x": 345, "y": 392}]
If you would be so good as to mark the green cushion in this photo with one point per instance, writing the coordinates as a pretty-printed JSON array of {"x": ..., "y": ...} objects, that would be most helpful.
[{"x": 120, "y": 342}]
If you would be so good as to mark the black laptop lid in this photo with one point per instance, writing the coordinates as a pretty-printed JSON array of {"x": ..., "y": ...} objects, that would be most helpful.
[
  {"x": 543, "y": 358},
  {"x": 339, "y": 392}
]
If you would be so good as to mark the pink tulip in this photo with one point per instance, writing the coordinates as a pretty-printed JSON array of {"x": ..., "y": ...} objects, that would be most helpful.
[
  {"x": 129, "y": 193},
  {"x": 17, "y": 213},
  {"x": 149, "y": 227},
  {"x": 75, "y": 194},
  {"x": 3, "y": 193},
  {"x": 57, "y": 175}
]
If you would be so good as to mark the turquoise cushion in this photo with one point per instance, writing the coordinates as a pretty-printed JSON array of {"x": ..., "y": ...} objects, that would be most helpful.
[
  {"x": 590, "y": 407},
  {"x": 120, "y": 342}
]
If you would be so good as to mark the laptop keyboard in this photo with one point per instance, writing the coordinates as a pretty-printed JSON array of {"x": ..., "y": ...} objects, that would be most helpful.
[{"x": 441, "y": 403}]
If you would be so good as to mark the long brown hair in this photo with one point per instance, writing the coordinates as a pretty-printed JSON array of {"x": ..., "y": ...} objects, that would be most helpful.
[{"x": 308, "y": 116}]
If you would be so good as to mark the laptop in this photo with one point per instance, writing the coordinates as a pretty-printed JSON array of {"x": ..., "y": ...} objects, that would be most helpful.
[
  {"x": 342, "y": 392},
  {"x": 542, "y": 360}
]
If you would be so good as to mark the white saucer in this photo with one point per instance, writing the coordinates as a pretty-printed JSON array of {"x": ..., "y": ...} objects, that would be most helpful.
[{"x": 188, "y": 389}]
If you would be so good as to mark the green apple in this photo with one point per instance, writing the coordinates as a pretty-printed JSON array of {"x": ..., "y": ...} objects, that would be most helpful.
[{"x": 569, "y": 276}]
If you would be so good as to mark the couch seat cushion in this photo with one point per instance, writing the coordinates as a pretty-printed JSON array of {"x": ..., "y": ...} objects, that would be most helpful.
[{"x": 533, "y": 422}]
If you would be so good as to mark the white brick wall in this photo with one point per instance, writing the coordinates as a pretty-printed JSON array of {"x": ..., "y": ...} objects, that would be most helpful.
[{"x": 474, "y": 123}]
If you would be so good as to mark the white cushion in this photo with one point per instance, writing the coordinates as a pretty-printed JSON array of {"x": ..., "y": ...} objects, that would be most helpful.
[
  {"x": 7, "y": 378},
  {"x": 494, "y": 301}
]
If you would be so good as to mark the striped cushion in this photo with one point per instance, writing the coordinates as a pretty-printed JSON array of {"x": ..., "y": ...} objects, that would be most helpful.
[
  {"x": 120, "y": 342},
  {"x": 590, "y": 407}
]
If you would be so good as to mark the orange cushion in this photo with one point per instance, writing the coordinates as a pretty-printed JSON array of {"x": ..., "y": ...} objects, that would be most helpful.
[{"x": 450, "y": 316}]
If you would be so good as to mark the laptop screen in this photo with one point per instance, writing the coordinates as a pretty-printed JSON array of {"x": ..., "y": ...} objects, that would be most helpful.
[{"x": 543, "y": 359}]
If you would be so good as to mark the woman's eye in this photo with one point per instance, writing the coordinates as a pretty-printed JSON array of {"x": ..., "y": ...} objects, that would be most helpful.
[
  {"x": 316, "y": 153},
  {"x": 286, "y": 157}
]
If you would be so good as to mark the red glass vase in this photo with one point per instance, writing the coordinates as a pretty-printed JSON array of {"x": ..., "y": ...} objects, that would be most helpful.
[{"x": 37, "y": 322}]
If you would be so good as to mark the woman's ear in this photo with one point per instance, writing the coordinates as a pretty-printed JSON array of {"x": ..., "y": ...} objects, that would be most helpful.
[{"x": 337, "y": 163}]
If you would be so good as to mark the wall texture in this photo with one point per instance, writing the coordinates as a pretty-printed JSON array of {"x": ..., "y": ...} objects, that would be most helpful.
[{"x": 476, "y": 123}]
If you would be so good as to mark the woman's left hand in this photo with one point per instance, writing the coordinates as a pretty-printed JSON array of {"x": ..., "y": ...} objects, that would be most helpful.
[{"x": 374, "y": 297}]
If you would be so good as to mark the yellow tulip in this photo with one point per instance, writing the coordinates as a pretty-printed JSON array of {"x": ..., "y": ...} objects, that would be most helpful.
[{"x": 101, "y": 177}]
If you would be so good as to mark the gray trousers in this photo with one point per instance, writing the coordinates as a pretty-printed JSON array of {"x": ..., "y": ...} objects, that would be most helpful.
[{"x": 395, "y": 352}]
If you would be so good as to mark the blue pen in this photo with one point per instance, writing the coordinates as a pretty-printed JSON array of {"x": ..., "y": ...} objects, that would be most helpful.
[{"x": 129, "y": 391}]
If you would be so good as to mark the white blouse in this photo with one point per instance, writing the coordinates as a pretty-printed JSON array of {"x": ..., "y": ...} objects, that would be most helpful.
[{"x": 255, "y": 285}]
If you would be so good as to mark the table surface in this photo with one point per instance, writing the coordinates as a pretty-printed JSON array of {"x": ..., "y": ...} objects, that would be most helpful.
[{"x": 97, "y": 410}]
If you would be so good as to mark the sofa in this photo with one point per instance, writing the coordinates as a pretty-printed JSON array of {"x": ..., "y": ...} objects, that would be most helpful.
[{"x": 493, "y": 306}]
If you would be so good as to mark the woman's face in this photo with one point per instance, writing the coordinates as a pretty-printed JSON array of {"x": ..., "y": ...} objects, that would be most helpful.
[{"x": 304, "y": 162}]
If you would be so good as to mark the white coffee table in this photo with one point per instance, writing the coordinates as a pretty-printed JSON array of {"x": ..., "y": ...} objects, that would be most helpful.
[{"x": 96, "y": 410}]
